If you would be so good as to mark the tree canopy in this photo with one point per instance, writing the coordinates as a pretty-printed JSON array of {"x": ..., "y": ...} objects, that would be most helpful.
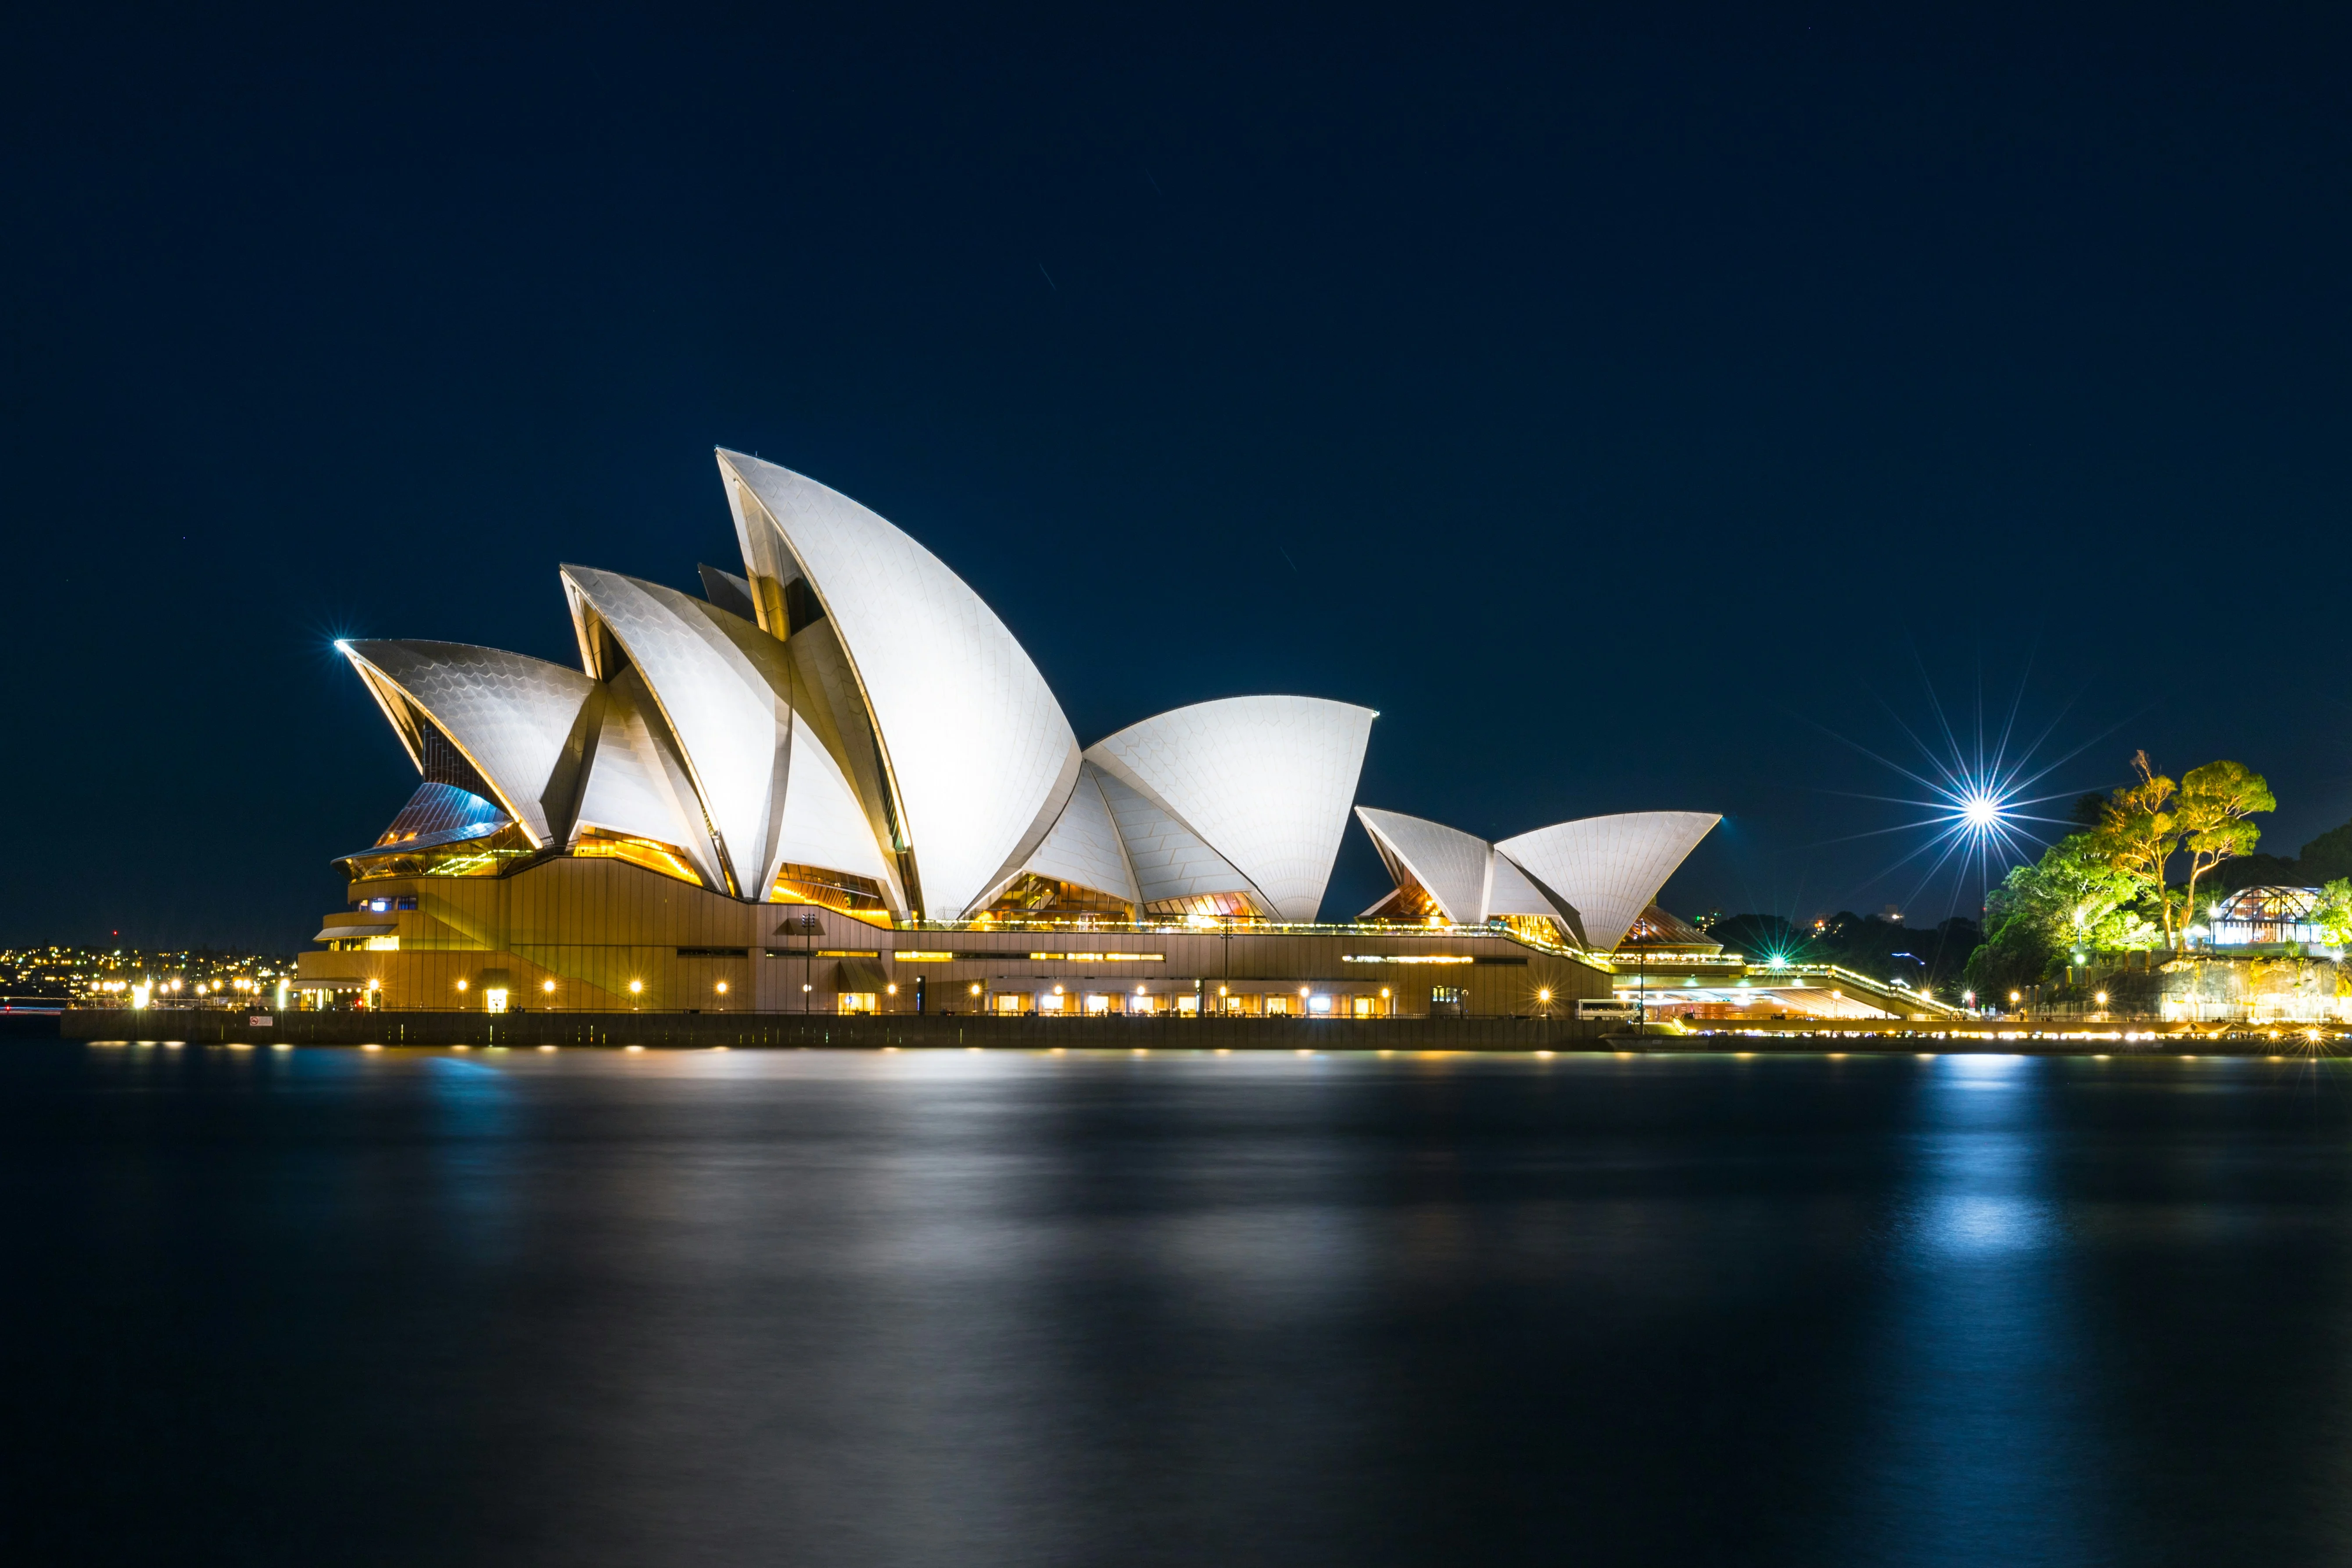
[
  {"x": 2109, "y": 888},
  {"x": 2215, "y": 801},
  {"x": 2148, "y": 823},
  {"x": 2334, "y": 916},
  {"x": 2324, "y": 859},
  {"x": 2074, "y": 900},
  {"x": 2140, "y": 835}
]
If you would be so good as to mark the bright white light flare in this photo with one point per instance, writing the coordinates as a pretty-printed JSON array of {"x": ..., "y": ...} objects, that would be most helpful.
[{"x": 1978, "y": 794}]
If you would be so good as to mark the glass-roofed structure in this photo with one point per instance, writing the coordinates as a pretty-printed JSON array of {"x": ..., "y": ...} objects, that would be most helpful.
[{"x": 2268, "y": 916}]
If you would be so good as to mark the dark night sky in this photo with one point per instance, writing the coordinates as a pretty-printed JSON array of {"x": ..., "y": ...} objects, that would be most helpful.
[{"x": 1608, "y": 402}]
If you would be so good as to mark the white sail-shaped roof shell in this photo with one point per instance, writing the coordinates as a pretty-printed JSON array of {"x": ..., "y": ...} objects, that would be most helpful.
[
  {"x": 1169, "y": 859},
  {"x": 1609, "y": 867},
  {"x": 729, "y": 592},
  {"x": 1084, "y": 846},
  {"x": 878, "y": 719},
  {"x": 1452, "y": 866},
  {"x": 1468, "y": 878},
  {"x": 718, "y": 679},
  {"x": 511, "y": 717},
  {"x": 823, "y": 823},
  {"x": 1266, "y": 781},
  {"x": 977, "y": 751},
  {"x": 772, "y": 792},
  {"x": 1510, "y": 892},
  {"x": 637, "y": 785}
]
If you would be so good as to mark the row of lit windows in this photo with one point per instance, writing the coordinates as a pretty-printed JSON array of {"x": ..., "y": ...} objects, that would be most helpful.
[
  {"x": 1304, "y": 1002},
  {"x": 1260, "y": 1000}
]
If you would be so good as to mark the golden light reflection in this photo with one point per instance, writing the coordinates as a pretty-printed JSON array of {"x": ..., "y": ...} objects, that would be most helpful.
[{"x": 651, "y": 854}]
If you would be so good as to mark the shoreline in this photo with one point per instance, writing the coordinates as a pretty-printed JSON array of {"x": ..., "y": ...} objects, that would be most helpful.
[{"x": 979, "y": 1032}]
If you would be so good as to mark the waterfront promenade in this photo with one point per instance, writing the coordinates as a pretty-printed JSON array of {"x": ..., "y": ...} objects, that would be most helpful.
[{"x": 976, "y": 1032}]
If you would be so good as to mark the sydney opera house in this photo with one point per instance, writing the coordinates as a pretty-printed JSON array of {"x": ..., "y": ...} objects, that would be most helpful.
[{"x": 837, "y": 783}]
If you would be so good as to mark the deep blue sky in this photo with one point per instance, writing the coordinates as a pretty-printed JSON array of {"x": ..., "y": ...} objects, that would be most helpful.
[{"x": 1608, "y": 402}]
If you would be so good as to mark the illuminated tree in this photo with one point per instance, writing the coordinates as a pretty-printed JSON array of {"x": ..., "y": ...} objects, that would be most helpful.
[
  {"x": 2141, "y": 834},
  {"x": 2334, "y": 915},
  {"x": 2072, "y": 900},
  {"x": 2215, "y": 801}
]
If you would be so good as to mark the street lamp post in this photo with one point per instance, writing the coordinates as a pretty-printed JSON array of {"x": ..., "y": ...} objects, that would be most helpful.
[{"x": 806, "y": 926}]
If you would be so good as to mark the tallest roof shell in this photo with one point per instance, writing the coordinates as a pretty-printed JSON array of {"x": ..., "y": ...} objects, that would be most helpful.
[{"x": 977, "y": 752}]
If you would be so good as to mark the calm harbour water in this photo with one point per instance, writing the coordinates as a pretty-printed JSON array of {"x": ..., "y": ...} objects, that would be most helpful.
[{"x": 328, "y": 1305}]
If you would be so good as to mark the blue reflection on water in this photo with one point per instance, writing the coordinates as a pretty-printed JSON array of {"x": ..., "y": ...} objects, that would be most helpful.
[
  {"x": 1962, "y": 1224},
  {"x": 1977, "y": 1452},
  {"x": 474, "y": 1133},
  {"x": 835, "y": 1308}
]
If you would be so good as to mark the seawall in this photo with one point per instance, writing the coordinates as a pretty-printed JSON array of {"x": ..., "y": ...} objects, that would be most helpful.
[
  {"x": 686, "y": 1031},
  {"x": 913, "y": 1031}
]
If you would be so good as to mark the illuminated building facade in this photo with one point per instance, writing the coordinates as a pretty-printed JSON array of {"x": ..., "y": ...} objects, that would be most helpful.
[{"x": 837, "y": 783}]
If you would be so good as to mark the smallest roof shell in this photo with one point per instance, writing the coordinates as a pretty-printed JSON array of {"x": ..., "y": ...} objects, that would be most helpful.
[
  {"x": 1451, "y": 866},
  {"x": 1610, "y": 868}
]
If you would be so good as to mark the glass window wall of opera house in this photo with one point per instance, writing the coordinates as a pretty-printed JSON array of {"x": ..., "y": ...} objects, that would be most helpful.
[{"x": 835, "y": 782}]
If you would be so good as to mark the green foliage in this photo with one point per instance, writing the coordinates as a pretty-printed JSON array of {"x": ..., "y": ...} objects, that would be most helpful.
[
  {"x": 2107, "y": 890},
  {"x": 2334, "y": 915},
  {"x": 2140, "y": 835},
  {"x": 2323, "y": 860},
  {"x": 2145, "y": 824},
  {"x": 2215, "y": 801},
  {"x": 2075, "y": 899},
  {"x": 2008, "y": 963}
]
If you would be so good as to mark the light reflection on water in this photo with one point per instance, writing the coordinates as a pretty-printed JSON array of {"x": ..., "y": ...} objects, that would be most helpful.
[
  {"x": 1008, "y": 1307},
  {"x": 1961, "y": 1223},
  {"x": 1978, "y": 1439}
]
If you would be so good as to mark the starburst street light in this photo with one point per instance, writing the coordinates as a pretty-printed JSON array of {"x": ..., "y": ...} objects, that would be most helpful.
[{"x": 1975, "y": 793}]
